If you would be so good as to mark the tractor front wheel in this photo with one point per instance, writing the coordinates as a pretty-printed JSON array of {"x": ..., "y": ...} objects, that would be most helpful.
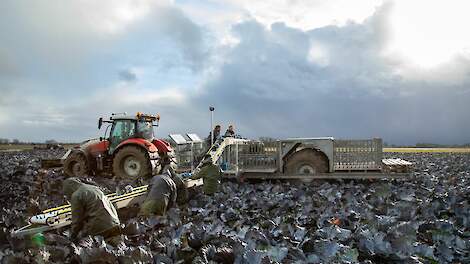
[
  {"x": 76, "y": 165},
  {"x": 131, "y": 162}
]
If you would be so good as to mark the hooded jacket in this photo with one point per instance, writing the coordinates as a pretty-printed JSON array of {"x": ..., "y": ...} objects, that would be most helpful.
[
  {"x": 161, "y": 196},
  {"x": 92, "y": 212},
  {"x": 211, "y": 175},
  {"x": 181, "y": 191}
]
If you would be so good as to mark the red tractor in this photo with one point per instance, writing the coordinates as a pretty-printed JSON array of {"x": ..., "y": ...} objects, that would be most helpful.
[{"x": 129, "y": 151}]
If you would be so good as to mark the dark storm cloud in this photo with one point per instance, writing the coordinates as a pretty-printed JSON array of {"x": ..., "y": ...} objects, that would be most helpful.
[
  {"x": 127, "y": 75},
  {"x": 188, "y": 35},
  {"x": 269, "y": 81},
  {"x": 8, "y": 67},
  {"x": 168, "y": 27}
]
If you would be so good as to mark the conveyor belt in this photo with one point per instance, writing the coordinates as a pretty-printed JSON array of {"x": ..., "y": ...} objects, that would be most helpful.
[
  {"x": 218, "y": 148},
  {"x": 60, "y": 216}
]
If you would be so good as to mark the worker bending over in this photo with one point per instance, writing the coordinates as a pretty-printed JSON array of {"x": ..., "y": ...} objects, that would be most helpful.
[
  {"x": 165, "y": 190},
  {"x": 92, "y": 212}
]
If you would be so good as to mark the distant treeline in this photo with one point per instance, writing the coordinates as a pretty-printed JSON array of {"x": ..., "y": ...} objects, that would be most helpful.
[
  {"x": 18, "y": 142},
  {"x": 8, "y": 141}
]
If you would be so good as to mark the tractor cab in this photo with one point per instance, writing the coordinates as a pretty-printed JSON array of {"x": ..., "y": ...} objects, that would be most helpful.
[{"x": 125, "y": 127}]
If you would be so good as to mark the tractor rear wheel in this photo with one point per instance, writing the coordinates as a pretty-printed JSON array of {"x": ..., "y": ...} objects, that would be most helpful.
[
  {"x": 132, "y": 162},
  {"x": 307, "y": 162},
  {"x": 76, "y": 165}
]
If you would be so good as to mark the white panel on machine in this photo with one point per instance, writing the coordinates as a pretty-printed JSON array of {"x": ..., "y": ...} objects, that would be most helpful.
[
  {"x": 194, "y": 137},
  {"x": 178, "y": 139}
]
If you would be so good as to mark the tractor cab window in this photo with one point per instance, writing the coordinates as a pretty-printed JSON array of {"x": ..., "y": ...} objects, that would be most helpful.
[
  {"x": 145, "y": 129},
  {"x": 123, "y": 129}
]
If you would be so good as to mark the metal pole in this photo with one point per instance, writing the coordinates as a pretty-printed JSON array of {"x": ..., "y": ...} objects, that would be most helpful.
[
  {"x": 236, "y": 160},
  {"x": 211, "y": 108},
  {"x": 192, "y": 158}
]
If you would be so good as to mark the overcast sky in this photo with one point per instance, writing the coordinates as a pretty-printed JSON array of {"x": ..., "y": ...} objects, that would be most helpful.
[{"x": 399, "y": 70}]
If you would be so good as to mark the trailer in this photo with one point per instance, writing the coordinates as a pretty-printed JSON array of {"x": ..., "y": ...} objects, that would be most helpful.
[{"x": 296, "y": 158}]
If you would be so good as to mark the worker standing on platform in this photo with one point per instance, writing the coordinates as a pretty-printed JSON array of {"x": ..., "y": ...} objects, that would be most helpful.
[
  {"x": 230, "y": 132},
  {"x": 215, "y": 134},
  {"x": 92, "y": 212}
]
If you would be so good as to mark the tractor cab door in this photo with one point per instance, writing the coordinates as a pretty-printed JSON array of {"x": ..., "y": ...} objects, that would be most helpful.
[{"x": 122, "y": 130}]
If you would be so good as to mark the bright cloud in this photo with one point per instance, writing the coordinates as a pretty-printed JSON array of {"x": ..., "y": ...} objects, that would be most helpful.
[
  {"x": 308, "y": 14},
  {"x": 429, "y": 33}
]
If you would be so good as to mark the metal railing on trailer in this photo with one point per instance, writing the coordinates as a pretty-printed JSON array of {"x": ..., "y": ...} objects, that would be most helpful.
[
  {"x": 357, "y": 155},
  {"x": 349, "y": 159}
]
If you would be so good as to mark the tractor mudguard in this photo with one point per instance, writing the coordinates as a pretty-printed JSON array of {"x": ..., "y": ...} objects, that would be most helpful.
[
  {"x": 138, "y": 141},
  {"x": 162, "y": 146}
]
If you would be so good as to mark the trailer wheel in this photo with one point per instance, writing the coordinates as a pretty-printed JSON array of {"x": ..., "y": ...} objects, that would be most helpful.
[
  {"x": 131, "y": 162},
  {"x": 307, "y": 162},
  {"x": 76, "y": 165}
]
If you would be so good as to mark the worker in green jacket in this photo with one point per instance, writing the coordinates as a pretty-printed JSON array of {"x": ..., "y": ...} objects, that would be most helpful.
[
  {"x": 211, "y": 175},
  {"x": 161, "y": 195},
  {"x": 92, "y": 212}
]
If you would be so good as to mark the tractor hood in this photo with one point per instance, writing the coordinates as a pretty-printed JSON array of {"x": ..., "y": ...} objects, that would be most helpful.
[
  {"x": 85, "y": 144},
  {"x": 94, "y": 147}
]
